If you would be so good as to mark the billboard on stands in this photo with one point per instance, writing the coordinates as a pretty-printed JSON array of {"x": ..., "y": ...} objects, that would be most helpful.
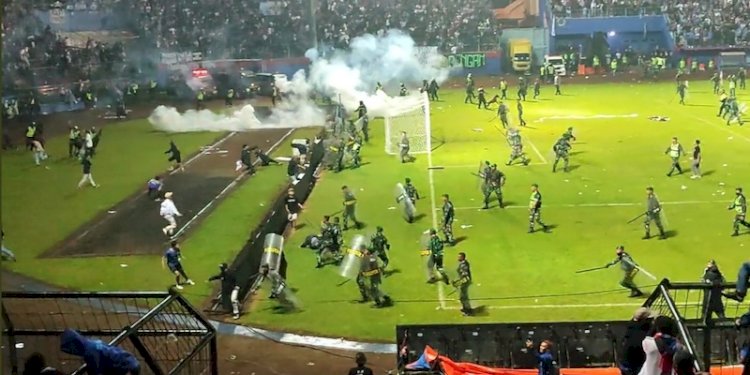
[
  {"x": 174, "y": 58},
  {"x": 476, "y": 63}
]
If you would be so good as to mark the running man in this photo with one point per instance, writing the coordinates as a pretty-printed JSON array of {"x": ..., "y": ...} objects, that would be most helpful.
[
  {"x": 168, "y": 211},
  {"x": 173, "y": 260}
]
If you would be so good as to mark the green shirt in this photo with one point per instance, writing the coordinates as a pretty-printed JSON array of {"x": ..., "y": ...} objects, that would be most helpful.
[
  {"x": 739, "y": 204},
  {"x": 349, "y": 199},
  {"x": 436, "y": 246},
  {"x": 379, "y": 242}
]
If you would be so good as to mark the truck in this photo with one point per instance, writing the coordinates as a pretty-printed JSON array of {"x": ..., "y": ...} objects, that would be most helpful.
[
  {"x": 558, "y": 63},
  {"x": 520, "y": 54}
]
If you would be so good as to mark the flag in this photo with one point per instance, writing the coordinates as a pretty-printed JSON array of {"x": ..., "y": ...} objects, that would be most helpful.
[{"x": 425, "y": 360}]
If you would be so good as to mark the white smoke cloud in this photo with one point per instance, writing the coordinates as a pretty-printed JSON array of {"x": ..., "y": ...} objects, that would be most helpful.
[
  {"x": 390, "y": 59},
  {"x": 346, "y": 75}
]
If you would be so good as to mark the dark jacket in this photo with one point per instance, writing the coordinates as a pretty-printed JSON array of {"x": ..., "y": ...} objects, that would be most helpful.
[
  {"x": 100, "y": 358},
  {"x": 633, "y": 356}
]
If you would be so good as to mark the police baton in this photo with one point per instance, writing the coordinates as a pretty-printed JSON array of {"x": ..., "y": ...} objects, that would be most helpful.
[
  {"x": 592, "y": 269},
  {"x": 639, "y": 268},
  {"x": 638, "y": 217}
]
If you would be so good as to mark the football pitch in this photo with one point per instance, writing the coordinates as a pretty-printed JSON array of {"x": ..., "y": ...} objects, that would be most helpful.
[{"x": 521, "y": 277}]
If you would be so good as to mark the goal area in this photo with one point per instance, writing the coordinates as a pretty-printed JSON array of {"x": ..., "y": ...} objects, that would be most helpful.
[{"x": 412, "y": 116}]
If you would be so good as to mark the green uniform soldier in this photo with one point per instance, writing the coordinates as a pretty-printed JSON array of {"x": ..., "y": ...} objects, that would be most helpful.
[
  {"x": 378, "y": 246},
  {"x": 340, "y": 149},
  {"x": 630, "y": 269},
  {"x": 675, "y": 151},
  {"x": 502, "y": 112},
  {"x": 503, "y": 89},
  {"x": 404, "y": 148},
  {"x": 523, "y": 87},
  {"x": 402, "y": 90},
  {"x": 535, "y": 209},
  {"x": 350, "y": 202},
  {"x": 739, "y": 205},
  {"x": 516, "y": 147},
  {"x": 432, "y": 90},
  {"x": 562, "y": 151},
  {"x": 733, "y": 111},
  {"x": 537, "y": 88},
  {"x": 411, "y": 191},
  {"x": 653, "y": 213},
  {"x": 716, "y": 81},
  {"x": 568, "y": 135},
  {"x": 741, "y": 75},
  {"x": 732, "y": 86},
  {"x": 448, "y": 216},
  {"x": 462, "y": 284},
  {"x": 372, "y": 274},
  {"x": 519, "y": 108},
  {"x": 494, "y": 181},
  {"x": 330, "y": 241},
  {"x": 469, "y": 89},
  {"x": 354, "y": 146},
  {"x": 436, "y": 257},
  {"x": 482, "y": 99}
]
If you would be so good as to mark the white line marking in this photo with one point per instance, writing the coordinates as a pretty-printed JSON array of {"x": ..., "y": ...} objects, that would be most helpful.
[
  {"x": 676, "y": 203},
  {"x": 431, "y": 179},
  {"x": 591, "y": 117},
  {"x": 722, "y": 127},
  {"x": 205, "y": 150},
  {"x": 227, "y": 188},
  {"x": 474, "y": 166},
  {"x": 536, "y": 150},
  {"x": 555, "y": 306}
]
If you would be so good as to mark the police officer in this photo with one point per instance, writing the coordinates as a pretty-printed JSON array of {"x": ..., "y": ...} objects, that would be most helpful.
[
  {"x": 482, "y": 99},
  {"x": 245, "y": 158},
  {"x": 371, "y": 272},
  {"x": 74, "y": 142},
  {"x": 469, "y": 89},
  {"x": 379, "y": 246},
  {"x": 537, "y": 88},
  {"x": 629, "y": 268},
  {"x": 739, "y": 205},
  {"x": 362, "y": 115},
  {"x": 502, "y": 112},
  {"x": 411, "y": 191},
  {"x": 675, "y": 151},
  {"x": 229, "y": 100},
  {"x": 562, "y": 151},
  {"x": 229, "y": 290},
  {"x": 503, "y": 89},
  {"x": 432, "y": 90},
  {"x": 449, "y": 214},
  {"x": 653, "y": 213},
  {"x": 350, "y": 203},
  {"x": 435, "y": 247},
  {"x": 199, "y": 98},
  {"x": 516, "y": 146},
  {"x": 519, "y": 108},
  {"x": 402, "y": 91},
  {"x": 494, "y": 184},
  {"x": 404, "y": 148},
  {"x": 462, "y": 284},
  {"x": 535, "y": 209}
]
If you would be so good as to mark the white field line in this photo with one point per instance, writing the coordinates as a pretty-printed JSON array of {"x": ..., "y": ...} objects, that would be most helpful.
[
  {"x": 675, "y": 203},
  {"x": 589, "y": 117},
  {"x": 205, "y": 151},
  {"x": 722, "y": 127},
  {"x": 536, "y": 150},
  {"x": 431, "y": 179},
  {"x": 227, "y": 188},
  {"x": 474, "y": 166},
  {"x": 135, "y": 197},
  {"x": 555, "y": 306}
]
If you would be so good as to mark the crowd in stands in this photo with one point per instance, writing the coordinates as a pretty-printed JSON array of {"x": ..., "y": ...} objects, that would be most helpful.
[{"x": 692, "y": 23}]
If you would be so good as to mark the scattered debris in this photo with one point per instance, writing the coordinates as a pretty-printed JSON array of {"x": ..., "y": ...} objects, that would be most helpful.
[
  {"x": 111, "y": 211},
  {"x": 123, "y": 265},
  {"x": 464, "y": 226},
  {"x": 391, "y": 208}
]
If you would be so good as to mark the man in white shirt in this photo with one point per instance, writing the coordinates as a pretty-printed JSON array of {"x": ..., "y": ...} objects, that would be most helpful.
[{"x": 168, "y": 211}]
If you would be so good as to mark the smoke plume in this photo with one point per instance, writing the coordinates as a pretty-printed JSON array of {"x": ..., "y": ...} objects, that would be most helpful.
[{"x": 348, "y": 76}]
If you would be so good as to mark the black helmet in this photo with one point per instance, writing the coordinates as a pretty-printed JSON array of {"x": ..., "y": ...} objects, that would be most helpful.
[
  {"x": 408, "y": 180},
  {"x": 379, "y": 229}
]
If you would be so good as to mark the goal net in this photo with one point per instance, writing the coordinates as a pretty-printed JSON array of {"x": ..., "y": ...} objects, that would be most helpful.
[{"x": 411, "y": 115}]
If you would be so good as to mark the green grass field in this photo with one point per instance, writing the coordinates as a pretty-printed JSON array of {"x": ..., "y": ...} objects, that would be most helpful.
[
  {"x": 531, "y": 277},
  {"x": 40, "y": 207}
]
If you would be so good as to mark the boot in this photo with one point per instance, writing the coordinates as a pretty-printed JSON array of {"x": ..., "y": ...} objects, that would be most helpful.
[
  {"x": 500, "y": 203},
  {"x": 735, "y": 234},
  {"x": 432, "y": 280},
  {"x": 734, "y": 295},
  {"x": 662, "y": 236},
  {"x": 647, "y": 236},
  {"x": 486, "y": 206}
]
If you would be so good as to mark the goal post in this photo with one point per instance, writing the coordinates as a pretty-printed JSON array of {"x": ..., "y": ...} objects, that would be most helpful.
[{"x": 413, "y": 117}]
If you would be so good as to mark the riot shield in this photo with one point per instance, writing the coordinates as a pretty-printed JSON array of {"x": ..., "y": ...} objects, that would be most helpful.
[
  {"x": 424, "y": 253},
  {"x": 408, "y": 210},
  {"x": 273, "y": 245},
  {"x": 352, "y": 262}
]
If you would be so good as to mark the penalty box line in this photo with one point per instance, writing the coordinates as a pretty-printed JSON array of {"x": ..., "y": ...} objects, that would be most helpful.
[
  {"x": 227, "y": 188},
  {"x": 623, "y": 204}
]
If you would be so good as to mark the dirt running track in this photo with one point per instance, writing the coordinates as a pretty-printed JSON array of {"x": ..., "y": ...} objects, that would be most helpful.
[{"x": 134, "y": 226}]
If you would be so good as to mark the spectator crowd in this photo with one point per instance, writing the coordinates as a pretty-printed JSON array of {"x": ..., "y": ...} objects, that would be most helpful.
[{"x": 693, "y": 23}]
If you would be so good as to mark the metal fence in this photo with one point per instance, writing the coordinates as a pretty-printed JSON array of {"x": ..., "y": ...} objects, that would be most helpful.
[{"x": 165, "y": 333}]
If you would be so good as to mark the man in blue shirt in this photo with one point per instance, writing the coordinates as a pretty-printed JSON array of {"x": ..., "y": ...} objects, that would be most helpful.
[
  {"x": 154, "y": 188},
  {"x": 543, "y": 356},
  {"x": 172, "y": 260}
]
